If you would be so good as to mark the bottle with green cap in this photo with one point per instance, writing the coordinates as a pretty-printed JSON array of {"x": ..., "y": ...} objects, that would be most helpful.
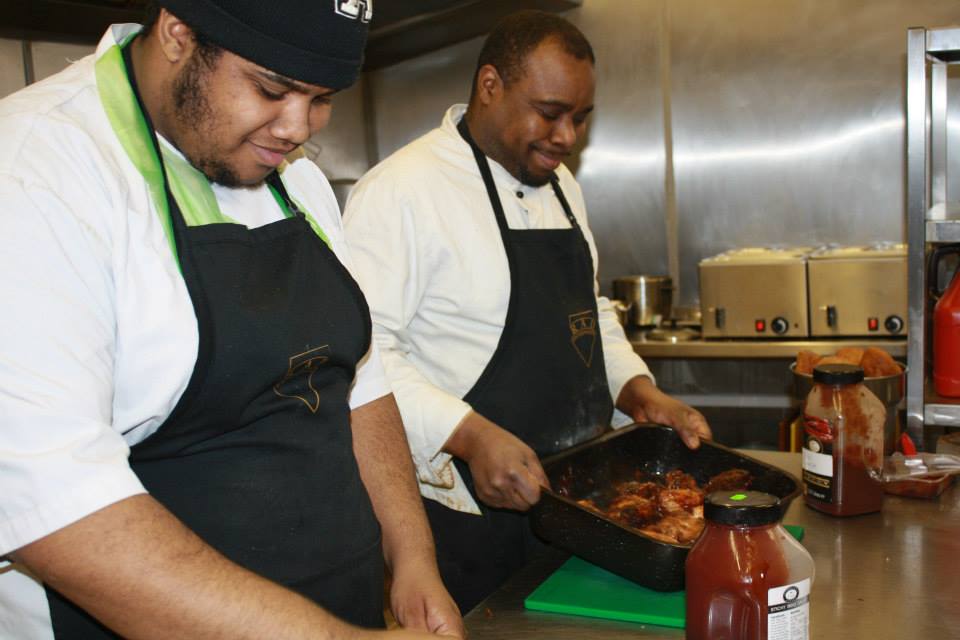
[
  {"x": 746, "y": 577},
  {"x": 843, "y": 424}
]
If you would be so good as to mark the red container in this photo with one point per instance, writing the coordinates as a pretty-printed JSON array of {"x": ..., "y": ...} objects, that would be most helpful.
[
  {"x": 946, "y": 325},
  {"x": 946, "y": 341},
  {"x": 746, "y": 577}
]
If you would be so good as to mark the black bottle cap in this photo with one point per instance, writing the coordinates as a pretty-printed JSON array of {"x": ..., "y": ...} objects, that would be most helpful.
[
  {"x": 748, "y": 508},
  {"x": 837, "y": 373}
]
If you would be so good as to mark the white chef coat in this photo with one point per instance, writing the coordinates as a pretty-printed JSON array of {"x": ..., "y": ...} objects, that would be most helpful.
[
  {"x": 98, "y": 337},
  {"x": 430, "y": 259}
]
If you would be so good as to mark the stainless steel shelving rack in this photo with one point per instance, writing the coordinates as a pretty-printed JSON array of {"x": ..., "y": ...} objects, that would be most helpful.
[{"x": 931, "y": 219}]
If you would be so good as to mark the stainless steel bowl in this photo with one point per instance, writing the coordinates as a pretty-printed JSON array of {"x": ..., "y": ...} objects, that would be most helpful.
[
  {"x": 648, "y": 299},
  {"x": 889, "y": 389}
]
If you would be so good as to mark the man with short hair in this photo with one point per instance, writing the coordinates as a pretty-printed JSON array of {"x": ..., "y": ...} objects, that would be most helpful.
[
  {"x": 472, "y": 246},
  {"x": 197, "y": 439}
]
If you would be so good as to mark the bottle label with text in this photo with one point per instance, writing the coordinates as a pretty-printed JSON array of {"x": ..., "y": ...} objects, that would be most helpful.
[
  {"x": 788, "y": 611},
  {"x": 818, "y": 458}
]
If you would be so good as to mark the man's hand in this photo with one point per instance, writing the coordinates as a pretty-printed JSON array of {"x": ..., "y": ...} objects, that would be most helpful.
[
  {"x": 417, "y": 596},
  {"x": 398, "y": 634},
  {"x": 419, "y": 601},
  {"x": 506, "y": 472},
  {"x": 641, "y": 400}
]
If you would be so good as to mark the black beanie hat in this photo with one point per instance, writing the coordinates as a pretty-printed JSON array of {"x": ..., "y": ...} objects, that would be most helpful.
[{"x": 314, "y": 41}]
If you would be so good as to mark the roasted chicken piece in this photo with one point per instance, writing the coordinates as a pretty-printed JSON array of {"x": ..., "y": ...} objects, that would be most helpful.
[
  {"x": 635, "y": 511},
  {"x": 671, "y": 511},
  {"x": 806, "y": 361},
  {"x": 874, "y": 362},
  {"x": 877, "y": 363},
  {"x": 679, "y": 502},
  {"x": 647, "y": 490},
  {"x": 853, "y": 355},
  {"x": 831, "y": 360},
  {"x": 681, "y": 529},
  {"x": 677, "y": 479},
  {"x": 730, "y": 480}
]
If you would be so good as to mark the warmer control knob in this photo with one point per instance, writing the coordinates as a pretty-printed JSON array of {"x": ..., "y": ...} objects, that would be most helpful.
[
  {"x": 893, "y": 324},
  {"x": 779, "y": 325}
]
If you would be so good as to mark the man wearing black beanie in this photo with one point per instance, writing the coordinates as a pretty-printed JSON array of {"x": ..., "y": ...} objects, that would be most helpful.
[{"x": 198, "y": 439}]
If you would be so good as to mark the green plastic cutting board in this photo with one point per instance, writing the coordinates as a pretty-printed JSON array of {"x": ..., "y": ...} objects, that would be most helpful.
[{"x": 583, "y": 589}]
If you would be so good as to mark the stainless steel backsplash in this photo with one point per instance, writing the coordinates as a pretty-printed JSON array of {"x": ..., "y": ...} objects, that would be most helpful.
[
  {"x": 784, "y": 124},
  {"x": 718, "y": 124}
]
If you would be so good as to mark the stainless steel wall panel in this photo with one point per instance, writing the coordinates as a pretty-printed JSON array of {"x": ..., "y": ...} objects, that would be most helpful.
[
  {"x": 339, "y": 149},
  {"x": 11, "y": 66},
  {"x": 788, "y": 122},
  {"x": 409, "y": 99},
  {"x": 620, "y": 164},
  {"x": 953, "y": 132},
  {"x": 52, "y": 57},
  {"x": 785, "y": 122}
]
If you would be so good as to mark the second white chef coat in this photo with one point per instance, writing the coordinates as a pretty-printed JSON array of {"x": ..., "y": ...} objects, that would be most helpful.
[{"x": 429, "y": 257}]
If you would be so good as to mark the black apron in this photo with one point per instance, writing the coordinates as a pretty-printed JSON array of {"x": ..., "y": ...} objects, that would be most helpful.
[
  {"x": 546, "y": 383},
  {"x": 257, "y": 456}
]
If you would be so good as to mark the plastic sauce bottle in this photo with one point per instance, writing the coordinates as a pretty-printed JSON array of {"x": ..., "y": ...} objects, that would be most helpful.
[
  {"x": 747, "y": 578},
  {"x": 946, "y": 341},
  {"x": 946, "y": 325},
  {"x": 843, "y": 443}
]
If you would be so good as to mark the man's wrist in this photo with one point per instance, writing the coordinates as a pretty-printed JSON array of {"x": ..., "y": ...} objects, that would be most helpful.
[
  {"x": 416, "y": 559},
  {"x": 460, "y": 443},
  {"x": 635, "y": 394}
]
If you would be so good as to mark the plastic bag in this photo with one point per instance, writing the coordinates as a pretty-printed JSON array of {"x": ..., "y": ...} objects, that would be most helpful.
[{"x": 922, "y": 467}]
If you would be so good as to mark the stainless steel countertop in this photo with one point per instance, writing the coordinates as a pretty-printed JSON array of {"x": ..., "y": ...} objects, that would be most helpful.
[
  {"x": 761, "y": 348},
  {"x": 894, "y": 574}
]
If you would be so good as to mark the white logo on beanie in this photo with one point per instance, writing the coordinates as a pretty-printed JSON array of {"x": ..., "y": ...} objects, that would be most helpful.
[{"x": 351, "y": 9}]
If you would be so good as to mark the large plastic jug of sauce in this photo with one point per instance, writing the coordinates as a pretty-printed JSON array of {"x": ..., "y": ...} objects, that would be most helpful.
[
  {"x": 746, "y": 577},
  {"x": 946, "y": 328},
  {"x": 843, "y": 424}
]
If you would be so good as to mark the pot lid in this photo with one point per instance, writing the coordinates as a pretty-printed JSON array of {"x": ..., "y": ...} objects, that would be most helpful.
[
  {"x": 759, "y": 255},
  {"x": 672, "y": 334},
  {"x": 870, "y": 251}
]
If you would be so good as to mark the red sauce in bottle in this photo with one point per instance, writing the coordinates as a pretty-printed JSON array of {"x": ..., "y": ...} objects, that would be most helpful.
[
  {"x": 742, "y": 554},
  {"x": 946, "y": 340},
  {"x": 843, "y": 443}
]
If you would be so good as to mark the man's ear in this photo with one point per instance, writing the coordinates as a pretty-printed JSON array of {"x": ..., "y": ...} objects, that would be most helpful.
[
  {"x": 489, "y": 84},
  {"x": 175, "y": 37}
]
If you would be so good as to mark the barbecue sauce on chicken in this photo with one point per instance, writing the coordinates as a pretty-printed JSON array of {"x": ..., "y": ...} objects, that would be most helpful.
[{"x": 668, "y": 509}]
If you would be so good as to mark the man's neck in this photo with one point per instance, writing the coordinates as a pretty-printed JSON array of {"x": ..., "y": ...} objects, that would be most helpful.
[
  {"x": 485, "y": 138},
  {"x": 150, "y": 81}
]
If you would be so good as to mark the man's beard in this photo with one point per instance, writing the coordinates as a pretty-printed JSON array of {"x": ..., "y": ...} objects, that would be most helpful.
[
  {"x": 194, "y": 115},
  {"x": 531, "y": 180},
  {"x": 499, "y": 152}
]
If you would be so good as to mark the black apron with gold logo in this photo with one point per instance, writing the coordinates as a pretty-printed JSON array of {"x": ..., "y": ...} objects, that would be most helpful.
[
  {"x": 546, "y": 383},
  {"x": 257, "y": 456}
]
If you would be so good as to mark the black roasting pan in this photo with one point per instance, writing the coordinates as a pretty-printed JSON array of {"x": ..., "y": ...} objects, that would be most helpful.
[{"x": 586, "y": 470}]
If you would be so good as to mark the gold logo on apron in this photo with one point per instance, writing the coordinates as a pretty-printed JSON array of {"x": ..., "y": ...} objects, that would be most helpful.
[
  {"x": 301, "y": 368},
  {"x": 583, "y": 334}
]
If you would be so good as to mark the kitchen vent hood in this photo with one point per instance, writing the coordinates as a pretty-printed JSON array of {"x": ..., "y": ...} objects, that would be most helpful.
[
  {"x": 79, "y": 21},
  {"x": 401, "y": 29}
]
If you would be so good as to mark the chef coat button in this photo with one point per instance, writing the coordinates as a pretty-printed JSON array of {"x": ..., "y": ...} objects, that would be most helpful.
[{"x": 519, "y": 194}]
